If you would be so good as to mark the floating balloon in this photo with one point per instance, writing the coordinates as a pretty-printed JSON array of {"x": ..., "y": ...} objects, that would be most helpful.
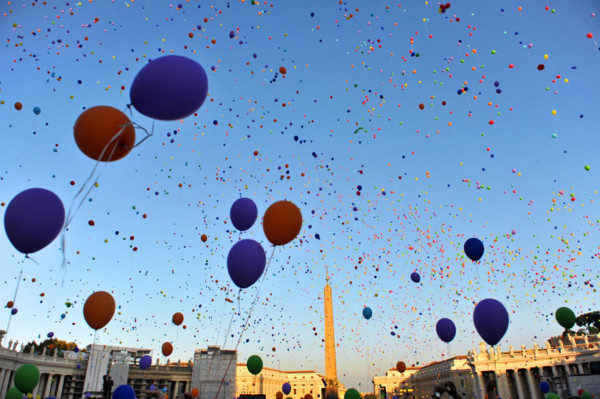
[
  {"x": 243, "y": 213},
  {"x": 195, "y": 392},
  {"x": 544, "y": 387},
  {"x": 99, "y": 309},
  {"x": 178, "y": 318},
  {"x": 104, "y": 133},
  {"x": 286, "y": 388},
  {"x": 552, "y": 396},
  {"x": 27, "y": 377},
  {"x": 279, "y": 395},
  {"x": 33, "y": 219},
  {"x": 445, "y": 329},
  {"x": 169, "y": 88},
  {"x": 491, "y": 320},
  {"x": 14, "y": 393},
  {"x": 37, "y": 110},
  {"x": 367, "y": 313},
  {"x": 586, "y": 395},
  {"x": 18, "y": 106},
  {"x": 246, "y": 262},
  {"x": 474, "y": 249},
  {"x": 415, "y": 277},
  {"x": 124, "y": 392},
  {"x": 167, "y": 348},
  {"x": 352, "y": 394},
  {"x": 282, "y": 222},
  {"x": 401, "y": 367},
  {"x": 50, "y": 334},
  {"x": 308, "y": 396},
  {"x": 254, "y": 364},
  {"x": 565, "y": 317},
  {"x": 145, "y": 362}
]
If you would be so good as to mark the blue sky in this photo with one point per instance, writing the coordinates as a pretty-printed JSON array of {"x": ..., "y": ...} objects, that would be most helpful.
[{"x": 499, "y": 166}]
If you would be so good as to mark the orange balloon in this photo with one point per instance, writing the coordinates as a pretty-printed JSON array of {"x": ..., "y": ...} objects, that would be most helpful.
[
  {"x": 195, "y": 392},
  {"x": 99, "y": 309},
  {"x": 203, "y": 237},
  {"x": 401, "y": 367},
  {"x": 97, "y": 126},
  {"x": 282, "y": 70},
  {"x": 279, "y": 395},
  {"x": 167, "y": 348},
  {"x": 10, "y": 304},
  {"x": 282, "y": 222},
  {"x": 18, "y": 106},
  {"x": 177, "y": 318}
]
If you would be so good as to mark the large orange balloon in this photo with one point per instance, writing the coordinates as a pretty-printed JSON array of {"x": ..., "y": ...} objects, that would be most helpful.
[
  {"x": 195, "y": 392},
  {"x": 282, "y": 222},
  {"x": 167, "y": 348},
  {"x": 98, "y": 309},
  {"x": 177, "y": 318},
  {"x": 97, "y": 126}
]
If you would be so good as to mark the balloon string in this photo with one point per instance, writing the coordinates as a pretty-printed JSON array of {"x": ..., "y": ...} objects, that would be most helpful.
[
  {"x": 14, "y": 299},
  {"x": 85, "y": 191},
  {"x": 247, "y": 320},
  {"x": 232, "y": 315}
]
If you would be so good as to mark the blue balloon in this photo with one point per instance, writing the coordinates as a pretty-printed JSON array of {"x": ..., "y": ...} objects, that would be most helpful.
[
  {"x": 491, "y": 320},
  {"x": 545, "y": 387},
  {"x": 474, "y": 249},
  {"x": 243, "y": 213},
  {"x": 145, "y": 362},
  {"x": 124, "y": 392},
  {"x": 50, "y": 334},
  {"x": 37, "y": 110},
  {"x": 445, "y": 329},
  {"x": 367, "y": 313},
  {"x": 286, "y": 388},
  {"x": 246, "y": 262},
  {"x": 415, "y": 277}
]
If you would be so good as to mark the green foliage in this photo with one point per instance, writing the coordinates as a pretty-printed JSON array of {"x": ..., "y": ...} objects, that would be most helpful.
[
  {"x": 51, "y": 345},
  {"x": 590, "y": 321}
]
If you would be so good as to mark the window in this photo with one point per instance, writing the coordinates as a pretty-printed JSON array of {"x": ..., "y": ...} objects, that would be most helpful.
[{"x": 461, "y": 383}]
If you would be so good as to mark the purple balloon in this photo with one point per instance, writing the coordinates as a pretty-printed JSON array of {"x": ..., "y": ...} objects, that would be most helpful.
[
  {"x": 33, "y": 219},
  {"x": 14, "y": 311},
  {"x": 491, "y": 320},
  {"x": 414, "y": 276},
  {"x": 246, "y": 262},
  {"x": 243, "y": 213},
  {"x": 145, "y": 362},
  {"x": 286, "y": 388},
  {"x": 445, "y": 329},
  {"x": 169, "y": 88}
]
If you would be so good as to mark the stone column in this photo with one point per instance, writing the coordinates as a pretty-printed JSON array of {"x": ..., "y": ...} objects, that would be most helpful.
[
  {"x": 38, "y": 386},
  {"x": 176, "y": 390},
  {"x": 532, "y": 386},
  {"x": 481, "y": 386},
  {"x": 6, "y": 381},
  {"x": 61, "y": 380},
  {"x": 503, "y": 390},
  {"x": 2, "y": 376},
  {"x": 519, "y": 385},
  {"x": 580, "y": 368},
  {"x": 48, "y": 386}
]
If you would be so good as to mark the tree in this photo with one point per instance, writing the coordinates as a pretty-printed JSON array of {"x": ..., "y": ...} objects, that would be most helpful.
[
  {"x": 591, "y": 321},
  {"x": 51, "y": 345}
]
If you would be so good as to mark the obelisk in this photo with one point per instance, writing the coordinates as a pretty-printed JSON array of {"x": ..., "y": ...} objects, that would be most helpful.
[{"x": 330, "y": 364}]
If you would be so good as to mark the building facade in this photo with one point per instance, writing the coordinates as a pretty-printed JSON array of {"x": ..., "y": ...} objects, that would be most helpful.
[{"x": 566, "y": 366}]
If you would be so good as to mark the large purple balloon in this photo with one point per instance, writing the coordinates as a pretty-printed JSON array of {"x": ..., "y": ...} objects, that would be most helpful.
[
  {"x": 287, "y": 388},
  {"x": 33, "y": 219},
  {"x": 246, "y": 262},
  {"x": 491, "y": 320},
  {"x": 445, "y": 329},
  {"x": 243, "y": 213},
  {"x": 169, "y": 88},
  {"x": 145, "y": 362}
]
